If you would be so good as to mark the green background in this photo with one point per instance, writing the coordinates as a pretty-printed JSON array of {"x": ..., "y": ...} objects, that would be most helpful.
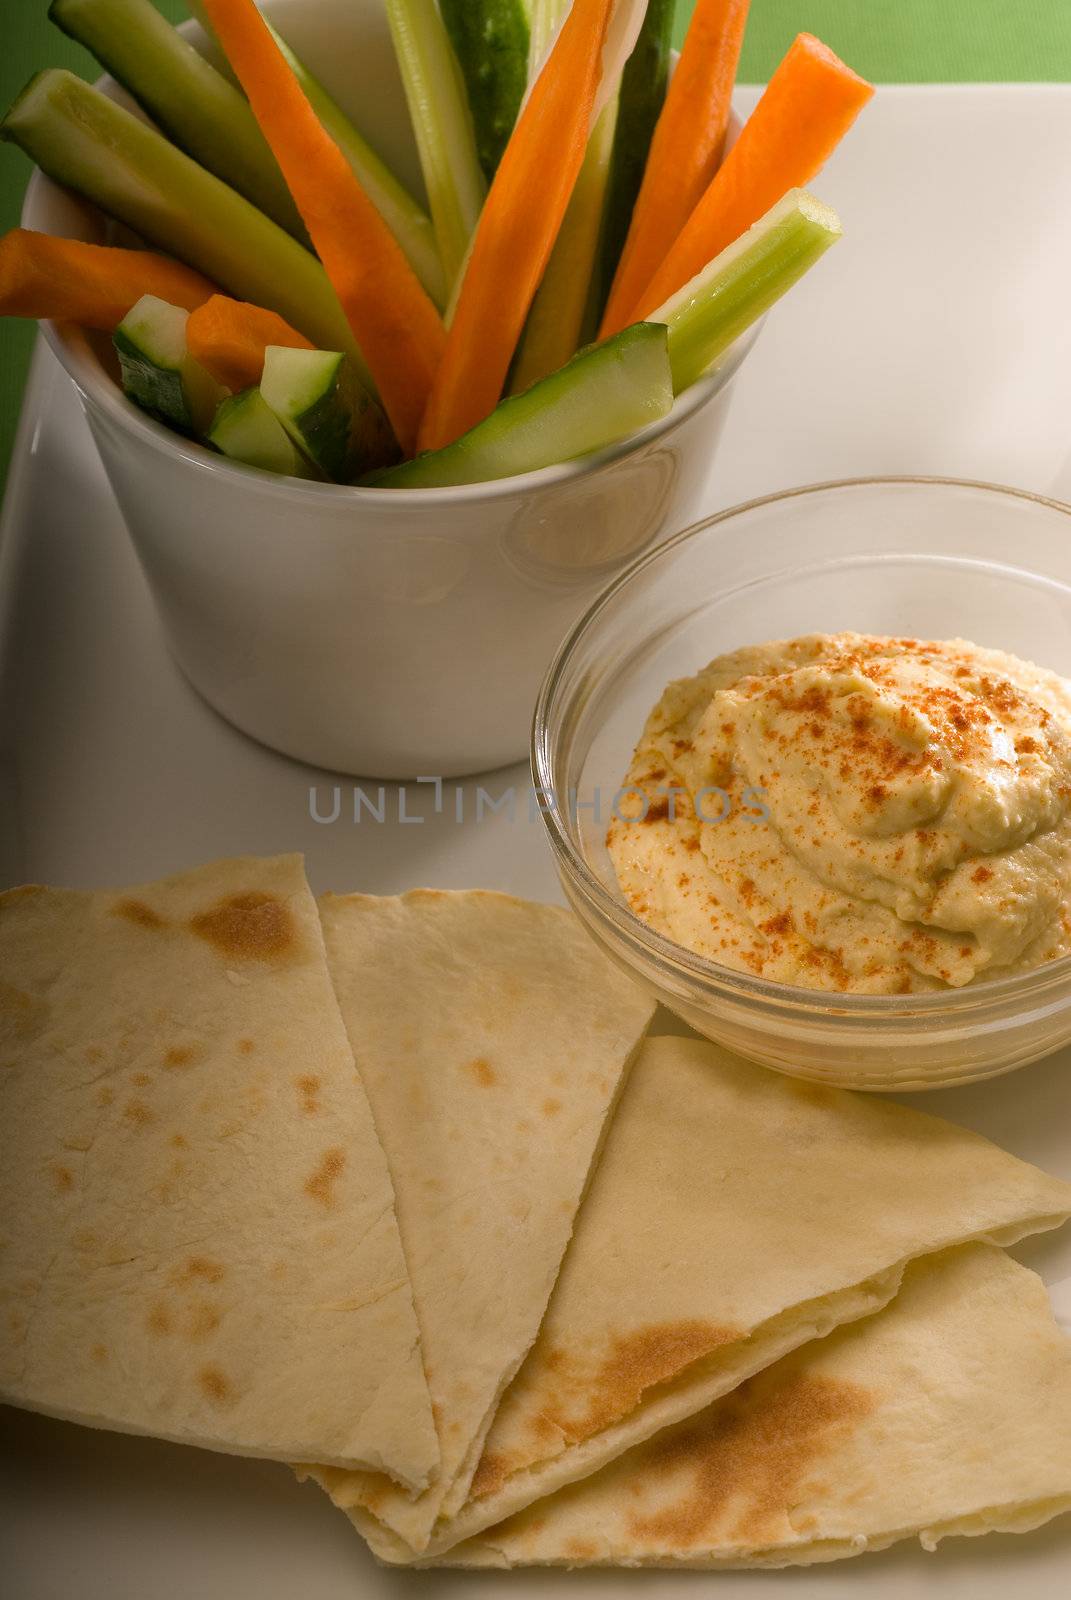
[{"x": 892, "y": 41}]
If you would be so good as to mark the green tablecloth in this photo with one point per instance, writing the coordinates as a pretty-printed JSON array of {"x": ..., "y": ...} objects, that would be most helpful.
[{"x": 892, "y": 41}]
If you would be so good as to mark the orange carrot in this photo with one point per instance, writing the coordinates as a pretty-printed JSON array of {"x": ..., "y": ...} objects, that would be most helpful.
[
  {"x": 685, "y": 150},
  {"x": 517, "y": 228},
  {"x": 399, "y": 331},
  {"x": 229, "y": 337},
  {"x": 91, "y": 284},
  {"x": 806, "y": 109}
]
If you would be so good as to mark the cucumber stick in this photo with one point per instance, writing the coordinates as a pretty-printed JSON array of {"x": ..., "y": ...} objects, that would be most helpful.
[
  {"x": 158, "y": 373},
  {"x": 84, "y": 140},
  {"x": 329, "y": 416},
  {"x": 739, "y": 285},
  {"x": 246, "y": 429},
  {"x": 556, "y": 322},
  {"x": 442, "y": 122},
  {"x": 603, "y": 394},
  {"x": 409, "y": 223},
  {"x": 490, "y": 40},
  {"x": 184, "y": 95},
  {"x": 640, "y": 100}
]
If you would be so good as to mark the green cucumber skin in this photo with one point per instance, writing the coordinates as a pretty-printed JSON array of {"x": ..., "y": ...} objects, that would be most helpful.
[
  {"x": 184, "y": 95},
  {"x": 85, "y": 141},
  {"x": 641, "y": 97},
  {"x": 603, "y": 394},
  {"x": 246, "y": 429},
  {"x": 158, "y": 390},
  {"x": 332, "y": 419},
  {"x": 491, "y": 40}
]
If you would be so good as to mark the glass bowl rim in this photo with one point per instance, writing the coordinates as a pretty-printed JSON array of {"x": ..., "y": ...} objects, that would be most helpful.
[{"x": 993, "y": 995}]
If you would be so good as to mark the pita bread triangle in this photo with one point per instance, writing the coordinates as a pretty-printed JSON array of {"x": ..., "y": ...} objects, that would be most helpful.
[
  {"x": 198, "y": 1238},
  {"x": 493, "y": 1039},
  {"x": 948, "y": 1413},
  {"x": 735, "y": 1215}
]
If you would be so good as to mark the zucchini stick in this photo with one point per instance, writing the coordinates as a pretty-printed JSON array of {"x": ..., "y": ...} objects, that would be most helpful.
[
  {"x": 409, "y": 223},
  {"x": 443, "y": 126},
  {"x": 743, "y": 282},
  {"x": 184, "y": 95},
  {"x": 84, "y": 140}
]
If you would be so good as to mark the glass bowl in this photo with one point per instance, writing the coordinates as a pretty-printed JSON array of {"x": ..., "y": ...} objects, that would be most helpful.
[{"x": 908, "y": 556}]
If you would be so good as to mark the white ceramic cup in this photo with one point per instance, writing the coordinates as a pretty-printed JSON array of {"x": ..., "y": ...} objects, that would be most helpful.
[{"x": 384, "y": 633}]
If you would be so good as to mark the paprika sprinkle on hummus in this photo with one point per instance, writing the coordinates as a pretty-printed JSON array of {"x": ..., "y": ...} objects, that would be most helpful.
[{"x": 857, "y": 814}]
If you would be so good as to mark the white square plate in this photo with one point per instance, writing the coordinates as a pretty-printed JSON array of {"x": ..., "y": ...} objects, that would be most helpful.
[{"x": 934, "y": 339}]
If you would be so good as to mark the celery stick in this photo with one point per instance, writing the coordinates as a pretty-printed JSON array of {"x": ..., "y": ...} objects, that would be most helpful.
[
  {"x": 443, "y": 126},
  {"x": 185, "y": 96},
  {"x": 642, "y": 94},
  {"x": 555, "y": 327},
  {"x": 490, "y": 40},
  {"x": 543, "y": 23},
  {"x": 603, "y": 394},
  {"x": 84, "y": 140},
  {"x": 734, "y": 289},
  {"x": 408, "y": 222}
]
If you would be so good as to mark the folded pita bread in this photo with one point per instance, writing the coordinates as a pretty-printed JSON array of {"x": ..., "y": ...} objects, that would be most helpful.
[
  {"x": 947, "y": 1413},
  {"x": 735, "y": 1215},
  {"x": 493, "y": 1038},
  {"x": 197, "y": 1228}
]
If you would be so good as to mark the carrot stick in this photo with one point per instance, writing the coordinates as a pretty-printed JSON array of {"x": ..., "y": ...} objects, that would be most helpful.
[
  {"x": 806, "y": 109},
  {"x": 91, "y": 284},
  {"x": 685, "y": 150},
  {"x": 229, "y": 337},
  {"x": 400, "y": 333},
  {"x": 517, "y": 228}
]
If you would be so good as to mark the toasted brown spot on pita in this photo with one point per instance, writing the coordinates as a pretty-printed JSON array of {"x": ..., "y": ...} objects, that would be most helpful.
[
  {"x": 16, "y": 1322},
  {"x": 179, "y": 1141},
  {"x": 93, "y": 1052},
  {"x": 181, "y": 1055},
  {"x": 158, "y": 1320},
  {"x": 246, "y": 1047},
  {"x": 202, "y": 1318},
  {"x": 580, "y": 1549},
  {"x": 308, "y": 1088},
  {"x": 480, "y": 1069},
  {"x": 105, "y": 1094},
  {"x": 137, "y": 912},
  {"x": 62, "y": 1177},
  {"x": 215, "y": 1385},
  {"x": 248, "y": 927},
  {"x": 321, "y": 1185},
  {"x": 98, "y": 1354},
  {"x": 84, "y": 1239},
  {"x": 588, "y": 1401},
  {"x": 138, "y": 1113},
  {"x": 141, "y": 1080},
  {"x": 493, "y": 1471},
  {"x": 199, "y": 1267},
  {"x": 551, "y": 1107},
  {"x": 749, "y": 1458},
  {"x": 23, "y": 1015}
]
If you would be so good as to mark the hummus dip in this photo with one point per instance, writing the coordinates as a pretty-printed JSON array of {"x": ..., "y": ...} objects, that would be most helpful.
[{"x": 842, "y": 812}]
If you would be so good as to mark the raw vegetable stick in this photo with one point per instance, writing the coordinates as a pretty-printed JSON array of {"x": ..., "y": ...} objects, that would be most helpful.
[
  {"x": 685, "y": 149},
  {"x": 409, "y": 223},
  {"x": 82, "y": 139},
  {"x": 642, "y": 95},
  {"x": 185, "y": 96},
  {"x": 518, "y": 227},
  {"x": 442, "y": 123},
  {"x": 806, "y": 109},
  {"x": 229, "y": 337},
  {"x": 94, "y": 285},
  {"x": 739, "y": 285},
  {"x": 490, "y": 40},
  {"x": 399, "y": 331}
]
